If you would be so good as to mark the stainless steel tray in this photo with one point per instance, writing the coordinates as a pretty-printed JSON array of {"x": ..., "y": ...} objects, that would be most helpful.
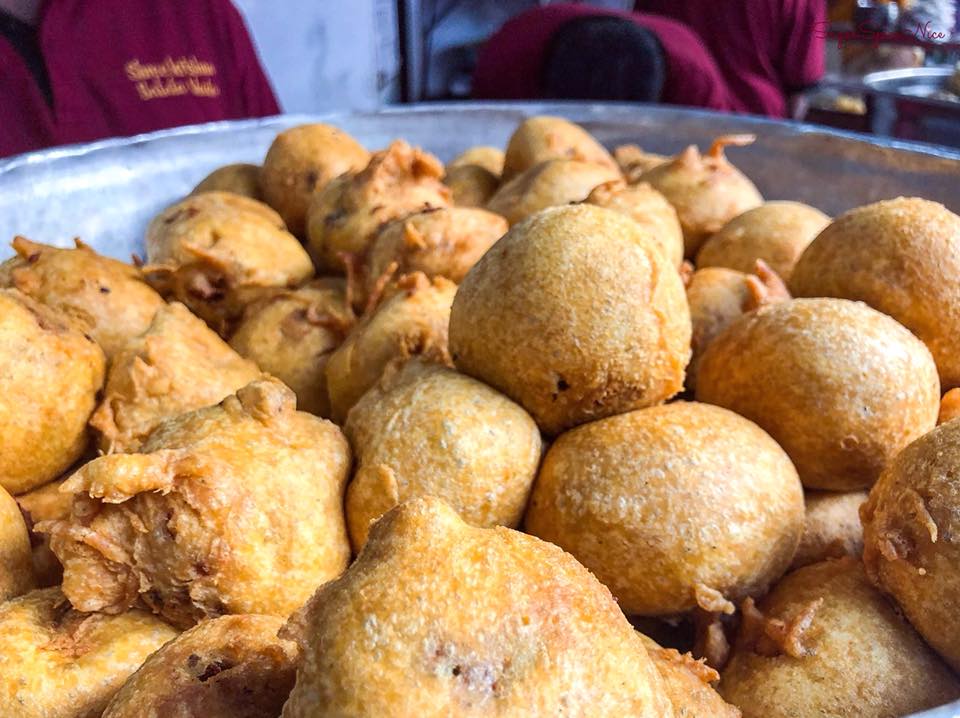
[{"x": 903, "y": 103}]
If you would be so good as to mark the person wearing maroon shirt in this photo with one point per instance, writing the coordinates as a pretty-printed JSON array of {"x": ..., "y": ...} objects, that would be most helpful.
[{"x": 81, "y": 70}]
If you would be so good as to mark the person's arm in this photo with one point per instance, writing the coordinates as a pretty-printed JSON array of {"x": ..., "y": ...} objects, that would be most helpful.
[
  {"x": 256, "y": 93},
  {"x": 803, "y": 55}
]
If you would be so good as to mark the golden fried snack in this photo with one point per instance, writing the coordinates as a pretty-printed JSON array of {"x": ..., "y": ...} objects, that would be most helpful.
[
  {"x": 688, "y": 683},
  {"x": 722, "y": 499},
  {"x": 839, "y": 385},
  {"x": 304, "y": 160},
  {"x": 648, "y": 208},
  {"x": 489, "y": 158},
  {"x": 46, "y": 503},
  {"x": 177, "y": 365},
  {"x": 227, "y": 667},
  {"x": 776, "y": 232},
  {"x": 109, "y": 299},
  {"x": 239, "y": 178},
  {"x": 831, "y": 527},
  {"x": 444, "y": 242},
  {"x": 911, "y": 541},
  {"x": 234, "y": 508},
  {"x": 438, "y": 618},
  {"x": 215, "y": 250},
  {"x": 633, "y": 161},
  {"x": 706, "y": 190},
  {"x": 56, "y": 662},
  {"x": 344, "y": 217},
  {"x": 949, "y": 406},
  {"x": 16, "y": 559},
  {"x": 51, "y": 373},
  {"x": 575, "y": 314},
  {"x": 411, "y": 322},
  {"x": 538, "y": 139},
  {"x": 426, "y": 430},
  {"x": 473, "y": 177},
  {"x": 826, "y": 643},
  {"x": 291, "y": 334},
  {"x": 548, "y": 184},
  {"x": 908, "y": 269}
]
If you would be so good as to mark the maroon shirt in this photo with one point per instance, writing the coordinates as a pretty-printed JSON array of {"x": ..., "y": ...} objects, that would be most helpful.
[
  {"x": 122, "y": 67},
  {"x": 509, "y": 66},
  {"x": 765, "y": 48}
]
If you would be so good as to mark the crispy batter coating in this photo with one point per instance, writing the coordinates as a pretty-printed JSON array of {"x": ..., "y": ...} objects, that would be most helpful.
[
  {"x": 949, "y": 406},
  {"x": 411, "y": 322},
  {"x": 438, "y": 618},
  {"x": 291, "y": 334},
  {"x": 345, "y": 217},
  {"x": 648, "y": 208},
  {"x": 56, "y": 662},
  {"x": 776, "y": 232},
  {"x": 108, "y": 298},
  {"x": 473, "y": 177},
  {"x": 177, "y": 365},
  {"x": 839, "y": 385},
  {"x": 227, "y": 667},
  {"x": 633, "y": 161},
  {"x": 16, "y": 559},
  {"x": 489, "y": 158},
  {"x": 222, "y": 506},
  {"x": 45, "y": 503},
  {"x": 831, "y": 527},
  {"x": 908, "y": 269},
  {"x": 706, "y": 190},
  {"x": 51, "y": 373},
  {"x": 239, "y": 178},
  {"x": 548, "y": 184},
  {"x": 826, "y": 643},
  {"x": 671, "y": 507},
  {"x": 215, "y": 250},
  {"x": 538, "y": 139},
  {"x": 575, "y": 314},
  {"x": 426, "y": 430},
  {"x": 304, "y": 160},
  {"x": 911, "y": 532}
]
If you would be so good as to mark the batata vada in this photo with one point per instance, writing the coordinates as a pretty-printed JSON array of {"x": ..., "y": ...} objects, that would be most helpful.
[
  {"x": 831, "y": 527},
  {"x": 16, "y": 559},
  {"x": 233, "y": 508},
  {"x": 60, "y": 663},
  {"x": 721, "y": 498},
  {"x": 240, "y": 178},
  {"x": 839, "y": 385},
  {"x": 439, "y": 618},
  {"x": 426, "y": 430},
  {"x": 473, "y": 177},
  {"x": 489, "y": 158},
  {"x": 902, "y": 257},
  {"x": 227, "y": 667},
  {"x": 51, "y": 373},
  {"x": 949, "y": 406},
  {"x": 542, "y": 138},
  {"x": 304, "y": 160},
  {"x": 633, "y": 161},
  {"x": 826, "y": 643},
  {"x": 575, "y": 314},
  {"x": 46, "y": 503}
]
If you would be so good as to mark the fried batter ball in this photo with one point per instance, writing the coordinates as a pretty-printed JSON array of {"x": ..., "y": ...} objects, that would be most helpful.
[
  {"x": 46, "y": 503},
  {"x": 722, "y": 499},
  {"x": 426, "y": 430},
  {"x": 304, "y": 160},
  {"x": 442, "y": 242},
  {"x": 776, "y": 232},
  {"x": 345, "y": 216},
  {"x": 633, "y": 161},
  {"x": 413, "y": 321},
  {"x": 911, "y": 531},
  {"x": 542, "y": 138},
  {"x": 949, "y": 406},
  {"x": 831, "y": 527},
  {"x": 826, "y": 643},
  {"x": 51, "y": 373},
  {"x": 548, "y": 184},
  {"x": 109, "y": 299},
  {"x": 213, "y": 251},
  {"x": 473, "y": 177},
  {"x": 16, "y": 559},
  {"x": 648, "y": 208},
  {"x": 240, "y": 178},
  {"x": 291, "y": 334},
  {"x": 56, "y": 662},
  {"x": 707, "y": 191},
  {"x": 177, "y": 365},
  {"x": 227, "y": 667},
  {"x": 233, "y": 508},
  {"x": 839, "y": 385},
  {"x": 575, "y": 314},
  {"x": 489, "y": 158},
  {"x": 902, "y": 257},
  {"x": 439, "y": 618}
]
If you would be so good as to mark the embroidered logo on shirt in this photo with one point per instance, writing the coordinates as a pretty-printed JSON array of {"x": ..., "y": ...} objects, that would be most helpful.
[{"x": 173, "y": 77}]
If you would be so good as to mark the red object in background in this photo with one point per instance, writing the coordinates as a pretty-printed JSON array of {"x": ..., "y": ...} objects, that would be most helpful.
[
  {"x": 510, "y": 63},
  {"x": 766, "y": 49},
  {"x": 122, "y": 67}
]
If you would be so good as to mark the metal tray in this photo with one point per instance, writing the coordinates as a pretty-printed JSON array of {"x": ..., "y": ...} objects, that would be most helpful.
[{"x": 903, "y": 103}]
